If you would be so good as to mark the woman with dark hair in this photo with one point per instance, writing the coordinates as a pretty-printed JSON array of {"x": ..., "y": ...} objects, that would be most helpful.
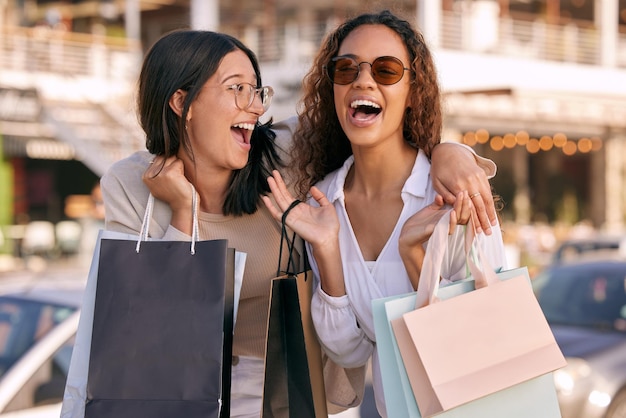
[
  {"x": 370, "y": 121},
  {"x": 200, "y": 99}
]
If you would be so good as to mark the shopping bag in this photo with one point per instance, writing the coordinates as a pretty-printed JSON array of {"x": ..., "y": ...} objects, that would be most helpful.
[
  {"x": 86, "y": 382},
  {"x": 294, "y": 383},
  {"x": 533, "y": 398},
  {"x": 460, "y": 349},
  {"x": 399, "y": 398},
  {"x": 157, "y": 339}
]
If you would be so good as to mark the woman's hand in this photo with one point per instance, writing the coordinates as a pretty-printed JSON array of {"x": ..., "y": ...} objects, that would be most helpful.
[
  {"x": 419, "y": 227},
  {"x": 165, "y": 178},
  {"x": 453, "y": 170},
  {"x": 319, "y": 226}
]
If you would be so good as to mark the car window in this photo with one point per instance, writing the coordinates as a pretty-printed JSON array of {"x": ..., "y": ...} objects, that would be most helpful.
[
  {"x": 47, "y": 385},
  {"x": 23, "y": 323},
  {"x": 578, "y": 297}
]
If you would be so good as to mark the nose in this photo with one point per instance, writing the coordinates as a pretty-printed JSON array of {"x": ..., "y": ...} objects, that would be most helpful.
[
  {"x": 365, "y": 75},
  {"x": 257, "y": 105}
]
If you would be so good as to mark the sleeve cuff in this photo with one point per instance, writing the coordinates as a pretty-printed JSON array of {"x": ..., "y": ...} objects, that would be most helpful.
[
  {"x": 334, "y": 301},
  {"x": 489, "y": 167}
]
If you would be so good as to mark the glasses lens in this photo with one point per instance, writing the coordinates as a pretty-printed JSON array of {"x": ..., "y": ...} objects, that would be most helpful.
[
  {"x": 343, "y": 70},
  {"x": 387, "y": 70},
  {"x": 266, "y": 93},
  {"x": 245, "y": 94}
]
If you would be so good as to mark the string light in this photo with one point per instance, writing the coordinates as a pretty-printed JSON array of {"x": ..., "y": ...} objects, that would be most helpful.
[
  {"x": 509, "y": 140},
  {"x": 584, "y": 145},
  {"x": 522, "y": 138},
  {"x": 533, "y": 145},
  {"x": 482, "y": 136},
  {"x": 546, "y": 143},
  {"x": 497, "y": 143},
  {"x": 469, "y": 138},
  {"x": 559, "y": 140},
  {"x": 569, "y": 148}
]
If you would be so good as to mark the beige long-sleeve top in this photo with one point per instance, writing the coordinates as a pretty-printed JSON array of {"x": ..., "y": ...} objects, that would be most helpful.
[{"x": 258, "y": 235}]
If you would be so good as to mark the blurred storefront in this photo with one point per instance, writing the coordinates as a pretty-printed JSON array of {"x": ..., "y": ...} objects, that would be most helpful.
[{"x": 539, "y": 86}]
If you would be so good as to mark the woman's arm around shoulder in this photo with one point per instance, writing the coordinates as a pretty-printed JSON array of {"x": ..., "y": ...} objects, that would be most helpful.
[{"x": 456, "y": 168}]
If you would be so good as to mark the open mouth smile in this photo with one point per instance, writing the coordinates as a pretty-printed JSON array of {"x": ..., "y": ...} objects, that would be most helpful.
[{"x": 364, "y": 110}]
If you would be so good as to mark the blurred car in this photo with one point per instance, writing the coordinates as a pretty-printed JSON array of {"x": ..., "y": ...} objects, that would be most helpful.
[
  {"x": 37, "y": 328},
  {"x": 585, "y": 305},
  {"x": 594, "y": 247}
]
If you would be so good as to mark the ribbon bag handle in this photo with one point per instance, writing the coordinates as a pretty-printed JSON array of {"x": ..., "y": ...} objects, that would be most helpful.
[
  {"x": 479, "y": 266},
  {"x": 147, "y": 216}
]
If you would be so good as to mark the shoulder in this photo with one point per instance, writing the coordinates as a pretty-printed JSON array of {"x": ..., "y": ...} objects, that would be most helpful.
[
  {"x": 124, "y": 192},
  {"x": 333, "y": 183},
  {"x": 126, "y": 174},
  {"x": 284, "y": 132}
]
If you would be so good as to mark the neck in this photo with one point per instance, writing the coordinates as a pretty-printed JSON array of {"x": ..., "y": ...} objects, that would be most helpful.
[
  {"x": 211, "y": 186},
  {"x": 379, "y": 173}
]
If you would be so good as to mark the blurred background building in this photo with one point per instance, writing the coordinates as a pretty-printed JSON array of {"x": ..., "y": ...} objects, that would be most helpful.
[{"x": 539, "y": 86}]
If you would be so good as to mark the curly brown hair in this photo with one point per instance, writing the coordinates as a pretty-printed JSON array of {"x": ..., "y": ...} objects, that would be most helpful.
[{"x": 320, "y": 145}]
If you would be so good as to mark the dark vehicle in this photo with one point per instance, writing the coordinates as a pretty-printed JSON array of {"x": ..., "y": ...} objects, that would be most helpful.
[{"x": 585, "y": 305}]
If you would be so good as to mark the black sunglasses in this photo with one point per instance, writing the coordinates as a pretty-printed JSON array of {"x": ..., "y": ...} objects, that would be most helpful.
[{"x": 385, "y": 70}]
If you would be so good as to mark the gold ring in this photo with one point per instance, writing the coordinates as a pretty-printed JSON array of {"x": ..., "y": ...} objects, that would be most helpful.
[{"x": 474, "y": 195}]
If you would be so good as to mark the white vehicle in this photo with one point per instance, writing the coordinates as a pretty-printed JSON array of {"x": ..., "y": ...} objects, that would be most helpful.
[{"x": 37, "y": 328}]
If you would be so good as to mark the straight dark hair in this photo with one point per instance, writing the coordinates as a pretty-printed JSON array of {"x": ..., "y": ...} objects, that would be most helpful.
[{"x": 185, "y": 59}]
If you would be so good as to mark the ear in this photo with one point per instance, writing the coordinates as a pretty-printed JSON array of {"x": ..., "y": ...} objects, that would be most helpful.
[{"x": 177, "y": 102}]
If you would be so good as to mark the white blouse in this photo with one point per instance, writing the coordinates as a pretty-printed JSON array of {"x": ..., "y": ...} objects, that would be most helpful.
[{"x": 345, "y": 324}]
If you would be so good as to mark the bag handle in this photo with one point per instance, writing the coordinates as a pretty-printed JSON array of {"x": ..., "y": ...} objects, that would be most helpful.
[
  {"x": 147, "y": 216},
  {"x": 285, "y": 239},
  {"x": 479, "y": 266}
]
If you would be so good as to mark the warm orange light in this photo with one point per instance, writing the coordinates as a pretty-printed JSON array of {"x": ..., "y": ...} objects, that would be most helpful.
[
  {"x": 509, "y": 140},
  {"x": 596, "y": 144},
  {"x": 469, "y": 138},
  {"x": 559, "y": 139},
  {"x": 545, "y": 143},
  {"x": 496, "y": 143},
  {"x": 522, "y": 137},
  {"x": 482, "y": 136},
  {"x": 584, "y": 145},
  {"x": 533, "y": 145},
  {"x": 569, "y": 148}
]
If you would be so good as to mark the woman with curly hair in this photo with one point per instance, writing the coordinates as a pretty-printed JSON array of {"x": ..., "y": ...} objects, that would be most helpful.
[{"x": 370, "y": 120}]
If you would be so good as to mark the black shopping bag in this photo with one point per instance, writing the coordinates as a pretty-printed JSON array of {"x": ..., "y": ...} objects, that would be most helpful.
[
  {"x": 162, "y": 330},
  {"x": 294, "y": 382}
]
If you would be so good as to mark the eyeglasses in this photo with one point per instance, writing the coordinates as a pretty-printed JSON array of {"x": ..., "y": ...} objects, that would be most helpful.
[
  {"x": 246, "y": 92},
  {"x": 385, "y": 70}
]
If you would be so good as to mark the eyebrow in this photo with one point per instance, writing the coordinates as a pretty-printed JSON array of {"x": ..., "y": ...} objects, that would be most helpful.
[
  {"x": 354, "y": 57},
  {"x": 226, "y": 80}
]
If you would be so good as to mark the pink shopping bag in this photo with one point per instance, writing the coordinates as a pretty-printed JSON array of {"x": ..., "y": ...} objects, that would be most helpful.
[{"x": 464, "y": 348}]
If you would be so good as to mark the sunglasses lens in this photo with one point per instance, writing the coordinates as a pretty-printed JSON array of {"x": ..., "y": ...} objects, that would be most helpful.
[
  {"x": 387, "y": 70},
  {"x": 343, "y": 71}
]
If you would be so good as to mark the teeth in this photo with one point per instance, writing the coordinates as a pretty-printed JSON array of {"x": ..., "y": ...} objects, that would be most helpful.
[
  {"x": 248, "y": 126},
  {"x": 358, "y": 103}
]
